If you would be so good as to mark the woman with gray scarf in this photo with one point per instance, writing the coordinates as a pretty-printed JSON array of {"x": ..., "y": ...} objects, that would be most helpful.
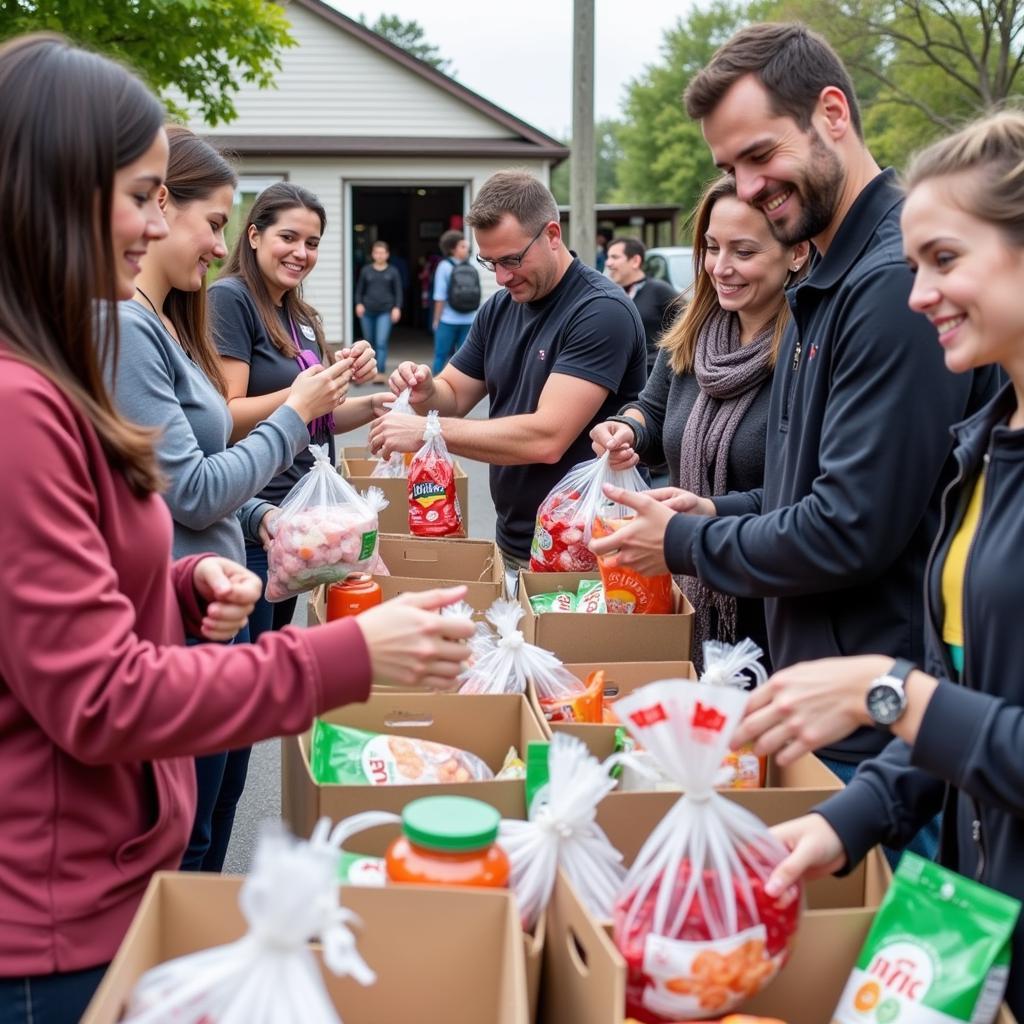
[{"x": 705, "y": 407}]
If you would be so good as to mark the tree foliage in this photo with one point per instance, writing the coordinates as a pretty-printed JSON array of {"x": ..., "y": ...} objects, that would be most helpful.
[
  {"x": 411, "y": 37},
  {"x": 199, "y": 51},
  {"x": 608, "y": 153}
]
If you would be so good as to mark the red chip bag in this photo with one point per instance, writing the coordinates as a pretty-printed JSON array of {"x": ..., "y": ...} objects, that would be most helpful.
[
  {"x": 697, "y": 930},
  {"x": 433, "y": 504}
]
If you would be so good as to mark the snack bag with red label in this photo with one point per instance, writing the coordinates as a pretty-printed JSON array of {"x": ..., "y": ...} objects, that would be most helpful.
[
  {"x": 693, "y": 922},
  {"x": 433, "y": 504},
  {"x": 627, "y": 592},
  {"x": 566, "y": 516}
]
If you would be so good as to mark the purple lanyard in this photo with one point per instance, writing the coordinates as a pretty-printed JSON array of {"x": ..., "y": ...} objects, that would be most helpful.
[{"x": 322, "y": 428}]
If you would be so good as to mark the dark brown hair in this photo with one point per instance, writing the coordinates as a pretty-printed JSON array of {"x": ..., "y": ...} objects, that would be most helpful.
[
  {"x": 71, "y": 119},
  {"x": 792, "y": 63},
  {"x": 195, "y": 170},
  {"x": 630, "y": 247},
  {"x": 680, "y": 340},
  {"x": 449, "y": 240},
  {"x": 242, "y": 263},
  {"x": 517, "y": 193}
]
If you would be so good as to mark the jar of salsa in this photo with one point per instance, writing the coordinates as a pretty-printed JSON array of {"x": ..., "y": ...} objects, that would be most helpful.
[
  {"x": 357, "y": 592},
  {"x": 448, "y": 840}
]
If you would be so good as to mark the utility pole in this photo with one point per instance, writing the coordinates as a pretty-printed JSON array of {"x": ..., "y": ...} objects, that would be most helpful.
[{"x": 582, "y": 173}]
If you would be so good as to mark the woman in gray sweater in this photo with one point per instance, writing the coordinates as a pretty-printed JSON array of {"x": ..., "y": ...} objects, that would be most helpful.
[
  {"x": 169, "y": 377},
  {"x": 705, "y": 407}
]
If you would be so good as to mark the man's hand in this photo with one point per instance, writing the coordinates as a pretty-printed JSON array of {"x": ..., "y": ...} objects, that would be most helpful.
[
  {"x": 640, "y": 544},
  {"x": 683, "y": 501},
  {"x": 417, "y": 378},
  {"x": 396, "y": 433},
  {"x": 815, "y": 851},
  {"x": 364, "y": 361},
  {"x": 617, "y": 440},
  {"x": 230, "y": 592}
]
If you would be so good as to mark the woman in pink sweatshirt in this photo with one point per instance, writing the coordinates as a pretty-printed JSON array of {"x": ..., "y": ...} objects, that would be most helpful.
[{"x": 102, "y": 707}]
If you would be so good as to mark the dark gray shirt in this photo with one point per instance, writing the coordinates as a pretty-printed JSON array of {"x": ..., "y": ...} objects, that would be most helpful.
[{"x": 379, "y": 290}]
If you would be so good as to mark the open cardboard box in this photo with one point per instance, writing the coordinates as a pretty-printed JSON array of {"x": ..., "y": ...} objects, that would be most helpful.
[
  {"x": 583, "y": 637},
  {"x": 584, "y": 975},
  {"x": 356, "y": 465},
  {"x": 442, "y": 955}
]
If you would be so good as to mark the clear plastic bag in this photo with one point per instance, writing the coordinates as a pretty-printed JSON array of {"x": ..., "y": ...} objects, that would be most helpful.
[
  {"x": 325, "y": 531},
  {"x": 565, "y": 519},
  {"x": 434, "y": 509},
  {"x": 697, "y": 930},
  {"x": 269, "y": 976},
  {"x": 397, "y": 467},
  {"x": 511, "y": 662},
  {"x": 483, "y": 638},
  {"x": 562, "y": 832}
]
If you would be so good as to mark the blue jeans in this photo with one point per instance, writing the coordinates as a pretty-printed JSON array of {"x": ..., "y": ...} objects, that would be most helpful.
[
  {"x": 925, "y": 843},
  {"x": 265, "y": 616},
  {"x": 377, "y": 331},
  {"x": 48, "y": 998},
  {"x": 447, "y": 339}
]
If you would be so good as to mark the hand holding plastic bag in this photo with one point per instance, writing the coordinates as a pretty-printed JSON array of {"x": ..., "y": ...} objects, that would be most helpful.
[
  {"x": 563, "y": 833},
  {"x": 269, "y": 976},
  {"x": 397, "y": 467},
  {"x": 697, "y": 930},
  {"x": 325, "y": 531}
]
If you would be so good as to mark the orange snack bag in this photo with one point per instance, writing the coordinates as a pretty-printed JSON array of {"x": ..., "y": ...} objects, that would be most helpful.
[
  {"x": 584, "y": 707},
  {"x": 627, "y": 591}
]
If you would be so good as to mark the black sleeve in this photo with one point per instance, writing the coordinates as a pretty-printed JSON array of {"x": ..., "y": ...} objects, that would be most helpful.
[
  {"x": 396, "y": 284},
  {"x": 600, "y": 342},
  {"x": 652, "y": 402},
  {"x": 361, "y": 286},
  {"x": 469, "y": 359},
  {"x": 233, "y": 321}
]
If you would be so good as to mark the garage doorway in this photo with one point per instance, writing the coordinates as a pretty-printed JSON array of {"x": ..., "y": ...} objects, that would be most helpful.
[{"x": 411, "y": 219}]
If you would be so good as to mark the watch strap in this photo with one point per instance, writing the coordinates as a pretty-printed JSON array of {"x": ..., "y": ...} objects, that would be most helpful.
[{"x": 901, "y": 668}]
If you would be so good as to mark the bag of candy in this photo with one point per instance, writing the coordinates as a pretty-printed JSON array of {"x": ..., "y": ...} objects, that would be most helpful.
[
  {"x": 433, "y": 504},
  {"x": 325, "y": 531},
  {"x": 697, "y": 930},
  {"x": 562, "y": 832},
  {"x": 397, "y": 467},
  {"x": 270, "y": 976},
  {"x": 342, "y": 755},
  {"x": 565, "y": 518}
]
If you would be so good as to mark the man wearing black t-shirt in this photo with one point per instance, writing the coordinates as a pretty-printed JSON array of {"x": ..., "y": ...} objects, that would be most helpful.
[{"x": 556, "y": 351}]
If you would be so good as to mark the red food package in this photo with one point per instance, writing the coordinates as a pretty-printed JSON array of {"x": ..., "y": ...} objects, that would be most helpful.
[
  {"x": 697, "y": 930},
  {"x": 433, "y": 504}
]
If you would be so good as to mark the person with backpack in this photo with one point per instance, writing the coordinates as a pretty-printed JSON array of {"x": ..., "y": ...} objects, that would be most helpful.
[{"x": 456, "y": 297}]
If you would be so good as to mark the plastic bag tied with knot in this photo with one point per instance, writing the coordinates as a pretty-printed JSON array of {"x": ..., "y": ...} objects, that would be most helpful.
[
  {"x": 483, "y": 638},
  {"x": 270, "y": 975},
  {"x": 512, "y": 662},
  {"x": 562, "y": 832},
  {"x": 396, "y": 467},
  {"x": 326, "y": 530},
  {"x": 434, "y": 509},
  {"x": 697, "y": 930}
]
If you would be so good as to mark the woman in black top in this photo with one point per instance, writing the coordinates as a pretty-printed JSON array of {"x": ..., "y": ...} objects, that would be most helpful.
[
  {"x": 379, "y": 302},
  {"x": 705, "y": 407}
]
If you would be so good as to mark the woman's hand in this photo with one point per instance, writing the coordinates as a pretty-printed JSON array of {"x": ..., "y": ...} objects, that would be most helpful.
[
  {"x": 679, "y": 500},
  {"x": 411, "y": 645},
  {"x": 267, "y": 529},
  {"x": 815, "y": 851},
  {"x": 320, "y": 390},
  {"x": 230, "y": 592},
  {"x": 363, "y": 361},
  {"x": 360, "y": 309},
  {"x": 396, "y": 314},
  {"x": 617, "y": 439},
  {"x": 640, "y": 544}
]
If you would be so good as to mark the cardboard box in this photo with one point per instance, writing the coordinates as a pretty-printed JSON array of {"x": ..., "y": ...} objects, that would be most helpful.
[
  {"x": 580, "y": 637},
  {"x": 584, "y": 975},
  {"x": 442, "y": 955},
  {"x": 395, "y": 518},
  {"x": 485, "y": 725}
]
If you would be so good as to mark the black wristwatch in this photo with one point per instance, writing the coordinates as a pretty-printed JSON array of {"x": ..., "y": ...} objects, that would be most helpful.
[{"x": 887, "y": 698}]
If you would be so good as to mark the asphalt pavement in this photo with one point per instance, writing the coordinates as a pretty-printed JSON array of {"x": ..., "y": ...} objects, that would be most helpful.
[{"x": 262, "y": 797}]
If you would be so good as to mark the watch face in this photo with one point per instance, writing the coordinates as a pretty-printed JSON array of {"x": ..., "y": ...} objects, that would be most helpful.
[{"x": 885, "y": 703}]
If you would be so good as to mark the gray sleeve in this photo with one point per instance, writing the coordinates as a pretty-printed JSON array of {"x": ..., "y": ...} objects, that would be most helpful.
[
  {"x": 201, "y": 488},
  {"x": 652, "y": 402},
  {"x": 249, "y": 517}
]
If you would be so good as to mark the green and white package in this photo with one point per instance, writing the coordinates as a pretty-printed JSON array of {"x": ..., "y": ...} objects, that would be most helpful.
[
  {"x": 938, "y": 952},
  {"x": 590, "y": 597},
  {"x": 361, "y": 870},
  {"x": 342, "y": 755},
  {"x": 559, "y": 601}
]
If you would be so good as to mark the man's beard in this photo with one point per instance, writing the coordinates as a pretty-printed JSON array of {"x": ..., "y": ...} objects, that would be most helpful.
[{"x": 818, "y": 194}]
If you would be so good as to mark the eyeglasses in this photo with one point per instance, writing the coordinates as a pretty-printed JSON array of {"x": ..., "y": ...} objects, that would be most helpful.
[{"x": 510, "y": 262}]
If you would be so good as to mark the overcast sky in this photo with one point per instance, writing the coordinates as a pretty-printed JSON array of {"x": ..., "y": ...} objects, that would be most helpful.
[{"x": 519, "y": 55}]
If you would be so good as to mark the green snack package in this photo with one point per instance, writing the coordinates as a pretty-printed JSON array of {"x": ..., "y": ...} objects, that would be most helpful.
[
  {"x": 354, "y": 757},
  {"x": 358, "y": 869},
  {"x": 537, "y": 775},
  {"x": 624, "y": 744},
  {"x": 590, "y": 597},
  {"x": 562, "y": 601},
  {"x": 938, "y": 952}
]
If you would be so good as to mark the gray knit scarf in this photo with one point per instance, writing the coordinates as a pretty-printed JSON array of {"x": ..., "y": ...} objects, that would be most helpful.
[{"x": 729, "y": 377}]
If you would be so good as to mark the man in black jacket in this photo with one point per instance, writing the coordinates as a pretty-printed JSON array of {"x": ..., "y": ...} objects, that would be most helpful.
[{"x": 858, "y": 438}]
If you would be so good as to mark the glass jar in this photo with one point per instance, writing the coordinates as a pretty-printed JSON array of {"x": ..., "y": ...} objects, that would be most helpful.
[
  {"x": 357, "y": 592},
  {"x": 448, "y": 840}
]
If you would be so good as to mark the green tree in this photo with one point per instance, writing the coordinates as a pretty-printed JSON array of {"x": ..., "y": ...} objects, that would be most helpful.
[
  {"x": 411, "y": 37},
  {"x": 608, "y": 155},
  {"x": 197, "y": 50},
  {"x": 664, "y": 157}
]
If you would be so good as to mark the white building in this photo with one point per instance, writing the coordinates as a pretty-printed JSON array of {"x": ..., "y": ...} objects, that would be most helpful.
[{"x": 393, "y": 148}]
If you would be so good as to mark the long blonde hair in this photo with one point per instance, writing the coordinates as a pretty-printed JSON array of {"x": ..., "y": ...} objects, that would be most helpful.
[{"x": 680, "y": 340}]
